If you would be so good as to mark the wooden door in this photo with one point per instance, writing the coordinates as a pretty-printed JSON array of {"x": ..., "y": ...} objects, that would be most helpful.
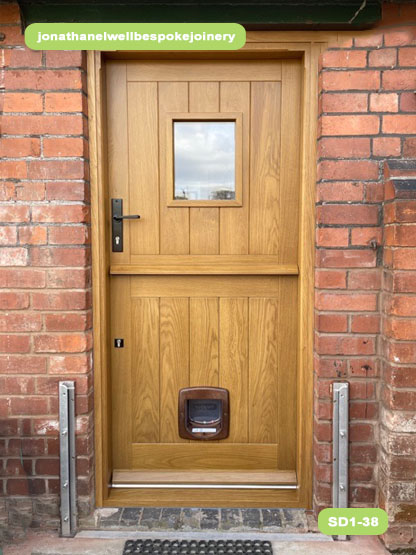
[{"x": 205, "y": 292}]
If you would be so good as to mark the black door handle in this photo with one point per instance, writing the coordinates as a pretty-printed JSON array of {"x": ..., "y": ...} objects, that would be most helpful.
[
  {"x": 117, "y": 223},
  {"x": 133, "y": 217}
]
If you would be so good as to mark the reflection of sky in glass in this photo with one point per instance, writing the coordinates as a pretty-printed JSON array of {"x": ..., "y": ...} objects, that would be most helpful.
[{"x": 204, "y": 160}]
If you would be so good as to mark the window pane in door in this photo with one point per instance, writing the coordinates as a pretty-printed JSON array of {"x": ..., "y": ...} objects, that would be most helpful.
[{"x": 204, "y": 158}]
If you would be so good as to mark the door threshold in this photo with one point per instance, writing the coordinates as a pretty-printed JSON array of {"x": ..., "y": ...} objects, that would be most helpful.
[{"x": 209, "y": 479}]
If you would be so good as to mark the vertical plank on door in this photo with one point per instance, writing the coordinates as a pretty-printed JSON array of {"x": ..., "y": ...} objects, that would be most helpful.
[
  {"x": 121, "y": 375},
  {"x": 174, "y": 363},
  {"x": 143, "y": 168},
  {"x": 204, "y": 221},
  {"x": 234, "y": 363},
  {"x": 235, "y": 97},
  {"x": 263, "y": 361},
  {"x": 287, "y": 370},
  {"x": 174, "y": 221},
  {"x": 117, "y": 141},
  {"x": 203, "y": 337},
  {"x": 145, "y": 369},
  {"x": 265, "y": 168},
  {"x": 290, "y": 162}
]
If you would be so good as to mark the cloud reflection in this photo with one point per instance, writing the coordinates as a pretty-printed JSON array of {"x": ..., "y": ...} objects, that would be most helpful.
[{"x": 204, "y": 160}]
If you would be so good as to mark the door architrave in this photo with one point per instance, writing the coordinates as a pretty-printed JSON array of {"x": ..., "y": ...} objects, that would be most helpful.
[{"x": 307, "y": 46}]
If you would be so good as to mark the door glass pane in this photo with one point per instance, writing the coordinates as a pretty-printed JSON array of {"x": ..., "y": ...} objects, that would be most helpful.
[{"x": 204, "y": 158}]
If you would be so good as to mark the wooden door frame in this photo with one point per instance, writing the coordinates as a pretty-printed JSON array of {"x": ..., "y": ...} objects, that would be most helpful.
[{"x": 307, "y": 46}]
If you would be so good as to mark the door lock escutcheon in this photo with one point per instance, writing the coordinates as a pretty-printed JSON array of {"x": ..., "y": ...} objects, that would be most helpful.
[{"x": 117, "y": 223}]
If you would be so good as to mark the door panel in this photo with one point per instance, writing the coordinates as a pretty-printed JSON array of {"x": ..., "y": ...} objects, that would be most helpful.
[{"x": 205, "y": 295}]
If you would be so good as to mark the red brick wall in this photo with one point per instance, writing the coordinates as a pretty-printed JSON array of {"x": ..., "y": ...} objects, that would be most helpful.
[
  {"x": 45, "y": 323},
  {"x": 397, "y": 472},
  {"x": 367, "y": 117}
]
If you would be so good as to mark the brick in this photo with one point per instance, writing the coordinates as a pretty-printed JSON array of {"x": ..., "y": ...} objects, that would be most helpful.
[
  {"x": 401, "y": 353},
  {"x": 361, "y": 432},
  {"x": 20, "y": 405},
  {"x": 32, "y": 235},
  {"x": 383, "y": 57},
  {"x": 386, "y": 146},
  {"x": 407, "y": 56},
  {"x": 17, "y": 385},
  {"x": 18, "y": 321},
  {"x": 330, "y": 237},
  {"x": 360, "y": 410},
  {"x": 350, "y": 125},
  {"x": 404, "y": 282},
  {"x": 366, "y": 235},
  {"x": 18, "y": 148},
  {"x": 65, "y": 300},
  {"x": 401, "y": 235},
  {"x": 399, "y": 79},
  {"x": 362, "y": 390},
  {"x": 384, "y": 102},
  {"x": 399, "y": 124},
  {"x": 50, "y": 169},
  {"x": 22, "y": 102},
  {"x": 361, "y": 473},
  {"x": 348, "y": 169},
  {"x": 13, "y": 301},
  {"x": 332, "y": 323},
  {"x": 402, "y": 329},
  {"x": 373, "y": 39},
  {"x": 350, "y": 80},
  {"x": 362, "y": 494},
  {"x": 344, "y": 58},
  {"x": 330, "y": 279},
  {"x": 69, "y": 235},
  {"x": 404, "y": 259},
  {"x": 346, "y": 258},
  {"x": 8, "y": 235},
  {"x": 45, "y": 426},
  {"x": 41, "y": 79},
  {"x": 13, "y": 256},
  {"x": 69, "y": 364},
  {"x": 323, "y": 431},
  {"x": 11, "y": 169},
  {"x": 340, "y": 191},
  {"x": 344, "y": 148},
  {"x": 71, "y": 279},
  {"x": 62, "y": 343},
  {"x": 65, "y": 102},
  {"x": 400, "y": 376},
  {"x": 408, "y": 102},
  {"x": 347, "y": 214},
  {"x": 24, "y": 58},
  {"x": 64, "y": 58},
  {"x": 63, "y": 147},
  {"x": 60, "y": 256},
  {"x": 403, "y": 305},
  {"x": 39, "y": 125},
  {"x": 409, "y": 147},
  {"x": 363, "y": 367},
  {"x": 22, "y": 278},
  {"x": 7, "y": 190},
  {"x": 346, "y": 301},
  {"x": 374, "y": 192},
  {"x": 401, "y": 37},
  {"x": 76, "y": 213},
  {"x": 30, "y": 191},
  {"x": 66, "y": 322},
  {"x": 344, "y": 102},
  {"x": 401, "y": 211},
  {"x": 10, "y": 13},
  {"x": 345, "y": 345},
  {"x": 67, "y": 190},
  {"x": 366, "y": 323},
  {"x": 22, "y": 364},
  {"x": 13, "y": 35},
  {"x": 47, "y": 466}
]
